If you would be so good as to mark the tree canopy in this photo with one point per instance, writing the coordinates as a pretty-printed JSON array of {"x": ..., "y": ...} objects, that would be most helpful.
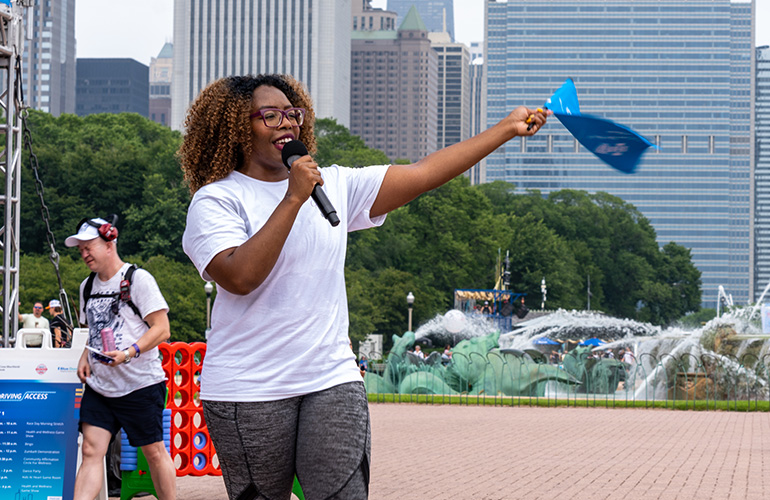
[{"x": 446, "y": 239}]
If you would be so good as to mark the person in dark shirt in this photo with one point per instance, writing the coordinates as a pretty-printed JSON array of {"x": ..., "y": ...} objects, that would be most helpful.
[
  {"x": 507, "y": 308},
  {"x": 61, "y": 331}
]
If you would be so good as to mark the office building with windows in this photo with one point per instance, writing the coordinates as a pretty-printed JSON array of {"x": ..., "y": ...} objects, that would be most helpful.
[
  {"x": 394, "y": 88},
  {"x": 438, "y": 15},
  {"x": 309, "y": 39},
  {"x": 477, "y": 50},
  {"x": 454, "y": 90},
  {"x": 48, "y": 68},
  {"x": 367, "y": 18},
  {"x": 477, "y": 174},
  {"x": 762, "y": 172},
  {"x": 112, "y": 86},
  {"x": 161, "y": 68},
  {"x": 678, "y": 72}
]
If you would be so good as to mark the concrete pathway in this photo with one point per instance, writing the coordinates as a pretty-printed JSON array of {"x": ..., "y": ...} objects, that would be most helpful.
[{"x": 485, "y": 453}]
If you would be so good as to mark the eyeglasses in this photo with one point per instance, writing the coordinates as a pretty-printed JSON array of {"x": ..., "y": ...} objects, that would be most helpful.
[
  {"x": 273, "y": 117},
  {"x": 37, "y": 307}
]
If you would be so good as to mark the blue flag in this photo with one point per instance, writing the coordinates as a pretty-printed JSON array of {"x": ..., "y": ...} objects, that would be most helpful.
[{"x": 616, "y": 145}]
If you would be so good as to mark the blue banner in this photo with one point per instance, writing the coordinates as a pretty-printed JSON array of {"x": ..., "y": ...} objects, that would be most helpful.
[
  {"x": 616, "y": 145},
  {"x": 38, "y": 439}
]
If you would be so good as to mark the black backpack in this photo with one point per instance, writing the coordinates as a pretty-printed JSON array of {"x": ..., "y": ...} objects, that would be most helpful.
[{"x": 124, "y": 295}]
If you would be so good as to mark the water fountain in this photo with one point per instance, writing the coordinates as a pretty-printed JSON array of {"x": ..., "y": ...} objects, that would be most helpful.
[{"x": 725, "y": 359}]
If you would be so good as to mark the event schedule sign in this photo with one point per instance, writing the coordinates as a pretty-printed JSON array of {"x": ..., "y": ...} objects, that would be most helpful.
[
  {"x": 40, "y": 397},
  {"x": 37, "y": 422}
]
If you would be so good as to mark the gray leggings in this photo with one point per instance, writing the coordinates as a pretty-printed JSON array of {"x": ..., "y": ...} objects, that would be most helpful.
[{"x": 323, "y": 438}]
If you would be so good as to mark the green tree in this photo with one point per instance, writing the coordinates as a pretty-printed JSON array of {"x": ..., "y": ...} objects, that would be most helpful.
[
  {"x": 377, "y": 302},
  {"x": 364, "y": 312},
  {"x": 38, "y": 281},
  {"x": 609, "y": 239},
  {"x": 676, "y": 289},
  {"x": 336, "y": 145},
  {"x": 183, "y": 290},
  {"x": 501, "y": 194},
  {"x": 456, "y": 237},
  {"x": 95, "y": 166},
  {"x": 537, "y": 252},
  {"x": 697, "y": 319},
  {"x": 615, "y": 245},
  {"x": 157, "y": 223}
]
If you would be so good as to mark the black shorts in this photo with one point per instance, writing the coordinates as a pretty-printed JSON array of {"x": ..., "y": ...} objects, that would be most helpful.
[{"x": 139, "y": 413}]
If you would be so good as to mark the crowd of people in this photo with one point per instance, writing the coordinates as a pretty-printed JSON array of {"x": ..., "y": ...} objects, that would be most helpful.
[
  {"x": 505, "y": 308},
  {"x": 624, "y": 354}
]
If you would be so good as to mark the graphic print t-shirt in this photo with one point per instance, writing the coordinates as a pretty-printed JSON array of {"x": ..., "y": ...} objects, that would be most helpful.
[{"x": 127, "y": 328}]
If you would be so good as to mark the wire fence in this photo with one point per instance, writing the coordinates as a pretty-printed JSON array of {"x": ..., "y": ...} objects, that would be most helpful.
[{"x": 686, "y": 381}]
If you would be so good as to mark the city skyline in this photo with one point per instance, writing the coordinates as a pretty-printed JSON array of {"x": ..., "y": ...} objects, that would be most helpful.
[{"x": 108, "y": 29}]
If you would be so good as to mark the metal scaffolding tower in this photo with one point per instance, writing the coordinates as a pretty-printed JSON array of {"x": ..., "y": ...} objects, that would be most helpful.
[{"x": 11, "y": 46}]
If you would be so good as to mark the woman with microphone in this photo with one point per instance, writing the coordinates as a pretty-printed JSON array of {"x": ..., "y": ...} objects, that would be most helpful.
[{"x": 280, "y": 393}]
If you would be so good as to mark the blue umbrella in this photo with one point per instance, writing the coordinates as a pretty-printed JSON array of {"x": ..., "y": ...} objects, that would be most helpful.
[
  {"x": 616, "y": 145},
  {"x": 544, "y": 341},
  {"x": 592, "y": 341}
]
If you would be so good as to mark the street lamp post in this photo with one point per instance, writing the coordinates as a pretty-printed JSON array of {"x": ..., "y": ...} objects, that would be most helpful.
[
  {"x": 544, "y": 290},
  {"x": 507, "y": 272},
  {"x": 410, "y": 303},
  {"x": 208, "y": 288}
]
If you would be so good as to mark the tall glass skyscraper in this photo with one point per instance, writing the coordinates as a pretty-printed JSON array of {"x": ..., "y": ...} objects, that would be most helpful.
[
  {"x": 309, "y": 39},
  {"x": 431, "y": 12},
  {"x": 49, "y": 57},
  {"x": 477, "y": 173},
  {"x": 454, "y": 90},
  {"x": 678, "y": 72},
  {"x": 762, "y": 171}
]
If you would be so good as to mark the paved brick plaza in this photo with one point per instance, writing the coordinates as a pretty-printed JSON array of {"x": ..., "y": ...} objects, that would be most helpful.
[{"x": 470, "y": 452}]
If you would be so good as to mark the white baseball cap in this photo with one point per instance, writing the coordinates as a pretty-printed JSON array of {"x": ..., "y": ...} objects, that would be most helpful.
[
  {"x": 53, "y": 303},
  {"x": 86, "y": 232}
]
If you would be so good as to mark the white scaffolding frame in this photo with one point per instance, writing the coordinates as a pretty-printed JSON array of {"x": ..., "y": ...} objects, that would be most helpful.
[{"x": 11, "y": 46}]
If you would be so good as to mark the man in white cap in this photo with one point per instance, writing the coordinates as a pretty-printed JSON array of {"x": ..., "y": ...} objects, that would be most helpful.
[
  {"x": 61, "y": 331},
  {"x": 127, "y": 318}
]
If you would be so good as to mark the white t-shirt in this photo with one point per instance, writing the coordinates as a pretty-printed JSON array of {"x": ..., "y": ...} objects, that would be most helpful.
[
  {"x": 127, "y": 327},
  {"x": 288, "y": 337},
  {"x": 30, "y": 321}
]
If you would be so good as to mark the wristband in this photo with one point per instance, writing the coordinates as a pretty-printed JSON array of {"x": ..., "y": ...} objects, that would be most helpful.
[{"x": 136, "y": 348}]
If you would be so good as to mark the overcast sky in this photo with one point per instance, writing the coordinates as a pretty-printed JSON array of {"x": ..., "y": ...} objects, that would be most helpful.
[{"x": 139, "y": 28}]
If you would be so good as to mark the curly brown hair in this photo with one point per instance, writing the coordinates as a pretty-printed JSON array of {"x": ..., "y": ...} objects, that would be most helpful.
[{"x": 217, "y": 139}]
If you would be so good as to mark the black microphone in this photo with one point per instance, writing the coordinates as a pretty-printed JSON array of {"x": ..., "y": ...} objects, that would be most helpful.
[{"x": 293, "y": 151}]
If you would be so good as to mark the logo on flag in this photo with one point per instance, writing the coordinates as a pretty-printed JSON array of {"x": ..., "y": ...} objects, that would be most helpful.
[{"x": 616, "y": 145}]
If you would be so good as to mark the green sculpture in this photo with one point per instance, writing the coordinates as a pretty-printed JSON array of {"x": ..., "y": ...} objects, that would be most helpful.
[
  {"x": 514, "y": 375},
  {"x": 477, "y": 367},
  {"x": 596, "y": 375}
]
